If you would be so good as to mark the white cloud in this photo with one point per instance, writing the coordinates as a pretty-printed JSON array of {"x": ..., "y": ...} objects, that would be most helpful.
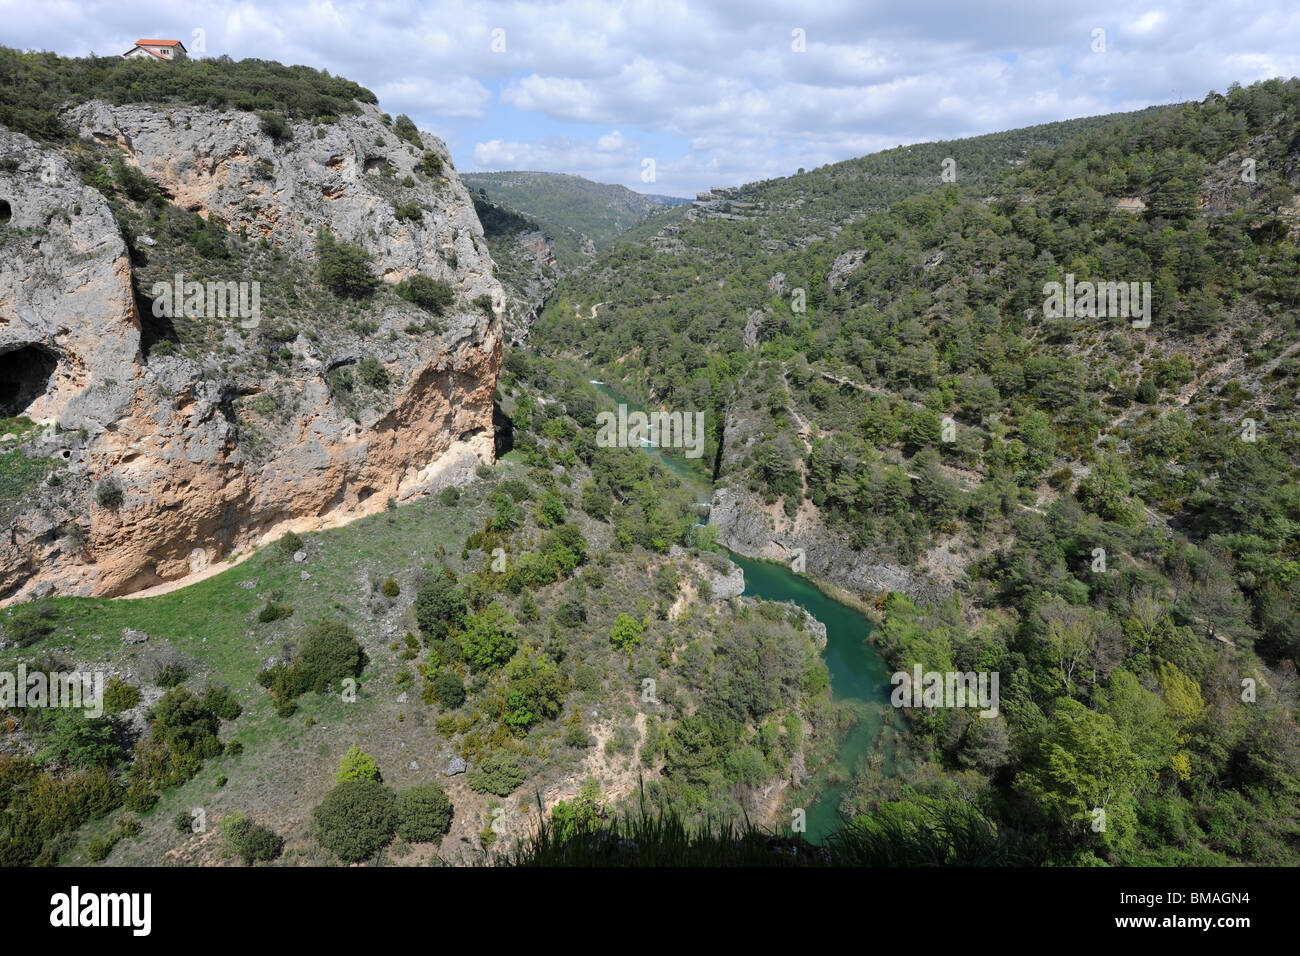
[{"x": 718, "y": 80}]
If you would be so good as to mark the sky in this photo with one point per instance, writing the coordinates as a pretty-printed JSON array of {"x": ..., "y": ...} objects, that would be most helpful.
[{"x": 673, "y": 97}]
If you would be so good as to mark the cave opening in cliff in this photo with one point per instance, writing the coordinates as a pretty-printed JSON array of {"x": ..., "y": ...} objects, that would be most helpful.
[
  {"x": 6, "y": 213},
  {"x": 24, "y": 376}
]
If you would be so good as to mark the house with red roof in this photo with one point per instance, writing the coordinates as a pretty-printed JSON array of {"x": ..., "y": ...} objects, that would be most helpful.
[{"x": 157, "y": 49}]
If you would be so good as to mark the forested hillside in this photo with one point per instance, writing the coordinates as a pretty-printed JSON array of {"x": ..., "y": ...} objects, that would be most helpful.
[
  {"x": 570, "y": 208},
  {"x": 1111, "y": 508}
]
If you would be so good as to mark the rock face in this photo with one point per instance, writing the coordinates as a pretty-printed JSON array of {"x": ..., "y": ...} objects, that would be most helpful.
[
  {"x": 162, "y": 430},
  {"x": 747, "y": 527}
]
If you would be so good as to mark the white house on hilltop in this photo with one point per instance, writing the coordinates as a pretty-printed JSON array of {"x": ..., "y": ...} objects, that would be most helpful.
[{"x": 156, "y": 49}]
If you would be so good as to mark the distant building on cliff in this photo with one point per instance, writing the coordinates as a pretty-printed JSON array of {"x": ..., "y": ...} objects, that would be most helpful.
[{"x": 157, "y": 49}]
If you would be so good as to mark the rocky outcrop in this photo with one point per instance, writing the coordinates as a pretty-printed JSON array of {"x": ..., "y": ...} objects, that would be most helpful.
[
  {"x": 157, "y": 480},
  {"x": 748, "y": 527},
  {"x": 744, "y": 527},
  {"x": 529, "y": 279}
]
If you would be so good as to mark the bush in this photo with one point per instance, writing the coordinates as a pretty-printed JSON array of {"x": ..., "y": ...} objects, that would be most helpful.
[
  {"x": 371, "y": 373},
  {"x": 449, "y": 496},
  {"x": 120, "y": 696},
  {"x": 135, "y": 184},
  {"x": 290, "y": 543},
  {"x": 412, "y": 211},
  {"x": 423, "y": 813},
  {"x": 432, "y": 295},
  {"x": 274, "y": 611},
  {"x": 390, "y": 589},
  {"x": 572, "y": 613},
  {"x": 171, "y": 675},
  {"x": 499, "y": 773},
  {"x": 329, "y": 653},
  {"x": 251, "y": 842},
  {"x": 431, "y": 164},
  {"x": 344, "y": 268},
  {"x": 449, "y": 690},
  {"x": 488, "y": 639},
  {"x": 575, "y": 736},
  {"x": 108, "y": 494},
  {"x": 406, "y": 129},
  {"x": 626, "y": 633},
  {"x": 439, "y": 606},
  {"x": 356, "y": 819},
  {"x": 275, "y": 126},
  {"x": 99, "y": 848},
  {"x": 357, "y": 765},
  {"x": 587, "y": 679}
]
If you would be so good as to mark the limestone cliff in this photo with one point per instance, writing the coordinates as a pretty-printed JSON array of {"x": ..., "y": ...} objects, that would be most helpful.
[{"x": 165, "y": 460}]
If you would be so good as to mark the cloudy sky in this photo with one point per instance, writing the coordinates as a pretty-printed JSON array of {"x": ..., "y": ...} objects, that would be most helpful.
[{"x": 667, "y": 96}]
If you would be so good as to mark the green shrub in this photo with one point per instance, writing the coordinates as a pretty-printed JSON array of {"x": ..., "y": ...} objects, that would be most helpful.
[
  {"x": 120, "y": 696},
  {"x": 329, "y": 653},
  {"x": 439, "y": 606},
  {"x": 344, "y": 268},
  {"x": 587, "y": 679},
  {"x": 171, "y": 675},
  {"x": 432, "y": 295},
  {"x": 423, "y": 813},
  {"x": 133, "y": 183},
  {"x": 488, "y": 638},
  {"x": 390, "y": 589},
  {"x": 250, "y": 842},
  {"x": 498, "y": 773},
  {"x": 290, "y": 543},
  {"x": 431, "y": 164},
  {"x": 626, "y": 632},
  {"x": 449, "y": 689},
  {"x": 410, "y": 211},
  {"x": 274, "y": 611},
  {"x": 449, "y": 496},
  {"x": 371, "y": 372},
  {"x": 356, "y": 764},
  {"x": 406, "y": 130},
  {"x": 275, "y": 126},
  {"x": 108, "y": 494},
  {"x": 355, "y": 819},
  {"x": 99, "y": 848}
]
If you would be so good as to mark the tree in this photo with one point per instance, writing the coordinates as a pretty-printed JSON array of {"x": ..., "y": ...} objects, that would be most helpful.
[
  {"x": 329, "y": 653},
  {"x": 584, "y": 814},
  {"x": 499, "y": 773},
  {"x": 449, "y": 689},
  {"x": 488, "y": 638},
  {"x": 344, "y": 268},
  {"x": 251, "y": 842},
  {"x": 432, "y": 295},
  {"x": 1068, "y": 634},
  {"x": 626, "y": 632},
  {"x": 80, "y": 741},
  {"x": 1085, "y": 765},
  {"x": 355, "y": 819},
  {"x": 424, "y": 813},
  {"x": 439, "y": 606},
  {"x": 357, "y": 765},
  {"x": 507, "y": 516},
  {"x": 550, "y": 511}
]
